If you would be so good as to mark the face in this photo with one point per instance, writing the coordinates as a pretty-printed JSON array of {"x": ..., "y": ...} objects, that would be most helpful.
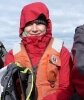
[{"x": 35, "y": 29}]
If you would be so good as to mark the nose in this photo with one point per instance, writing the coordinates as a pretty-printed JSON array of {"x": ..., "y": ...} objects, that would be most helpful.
[{"x": 34, "y": 28}]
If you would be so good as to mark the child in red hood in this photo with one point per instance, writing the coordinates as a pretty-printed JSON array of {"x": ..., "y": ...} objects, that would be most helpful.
[{"x": 40, "y": 52}]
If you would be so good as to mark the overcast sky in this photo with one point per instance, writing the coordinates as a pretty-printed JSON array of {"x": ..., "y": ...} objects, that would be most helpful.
[{"x": 66, "y": 15}]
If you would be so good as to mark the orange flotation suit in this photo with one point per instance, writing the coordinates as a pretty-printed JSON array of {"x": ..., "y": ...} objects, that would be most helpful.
[{"x": 47, "y": 72}]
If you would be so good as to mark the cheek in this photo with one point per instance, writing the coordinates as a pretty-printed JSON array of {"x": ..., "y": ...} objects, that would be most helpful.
[{"x": 27, "y": 28}]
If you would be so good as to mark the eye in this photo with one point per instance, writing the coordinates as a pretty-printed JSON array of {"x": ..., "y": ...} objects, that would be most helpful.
[{"x": 29, "y": 24}]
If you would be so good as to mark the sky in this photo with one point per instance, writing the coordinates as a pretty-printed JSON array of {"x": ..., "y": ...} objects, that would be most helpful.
[{"x": 65, "y": 15}]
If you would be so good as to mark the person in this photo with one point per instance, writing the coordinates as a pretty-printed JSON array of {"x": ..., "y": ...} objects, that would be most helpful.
[
  {"x": 46, "y": 56},
  {"x": 78, "y": 61},
  {"x": 2, "y": 54}
]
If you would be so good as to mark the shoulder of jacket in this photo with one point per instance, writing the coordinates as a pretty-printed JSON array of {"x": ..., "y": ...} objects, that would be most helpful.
[
  {"x": 57, "y": 44},
  {"x": 16, "y": 48}
]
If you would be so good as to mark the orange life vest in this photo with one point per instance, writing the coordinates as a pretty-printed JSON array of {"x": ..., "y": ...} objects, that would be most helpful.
[{"x": 47, "y": 75}]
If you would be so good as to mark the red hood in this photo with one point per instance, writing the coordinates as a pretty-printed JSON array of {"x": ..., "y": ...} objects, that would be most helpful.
[
  {"x": 35, "y": 45},
  {"x": 31, "y": 12}
]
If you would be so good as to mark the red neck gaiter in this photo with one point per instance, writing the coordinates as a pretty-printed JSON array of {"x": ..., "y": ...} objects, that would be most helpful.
[{"x": 35, "y": 47}]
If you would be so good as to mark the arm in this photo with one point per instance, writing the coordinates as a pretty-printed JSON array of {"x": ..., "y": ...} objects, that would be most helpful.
[
  {"x": 9, "y": 58},
  {"x": 65, "y": 88}
]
